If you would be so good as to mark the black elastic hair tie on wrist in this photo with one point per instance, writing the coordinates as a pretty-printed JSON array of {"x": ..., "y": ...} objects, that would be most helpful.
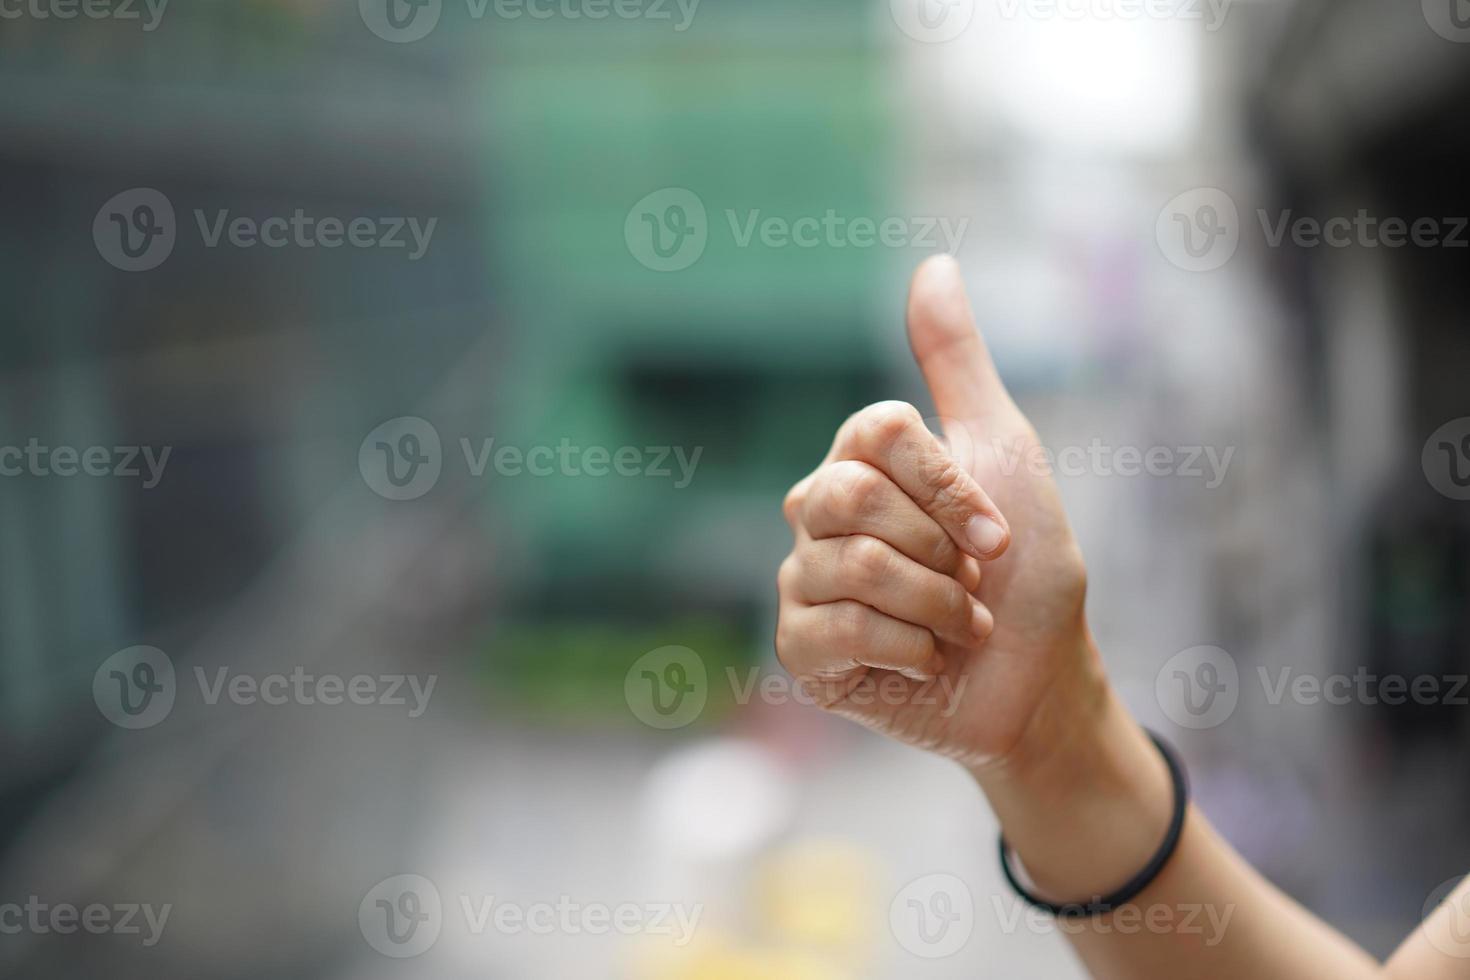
[{"x": 1130, "y": 891}]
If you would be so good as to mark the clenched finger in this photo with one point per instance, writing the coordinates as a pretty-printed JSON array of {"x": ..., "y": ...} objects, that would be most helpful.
[
  {"x": 878, "y": 575},
  {"x": 833, "y": 638},
  {"x": 892, "y": 437},
  {"x": 852, "y": 497}
]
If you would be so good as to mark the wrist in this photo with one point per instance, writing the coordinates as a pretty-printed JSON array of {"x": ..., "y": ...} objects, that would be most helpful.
[
  {"x": 1072, "y": 713},
  {"x": 1084, "y": 798}
]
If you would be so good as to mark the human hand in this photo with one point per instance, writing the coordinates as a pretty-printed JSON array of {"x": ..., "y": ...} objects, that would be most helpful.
[{"x": 885, "y": 613}]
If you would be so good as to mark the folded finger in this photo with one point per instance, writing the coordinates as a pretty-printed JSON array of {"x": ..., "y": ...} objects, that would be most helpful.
[
  {"x": 834, "y": 638},
  {"x": 878, "y": 575},
  {"x": 892, "y": 437},
  {"x": 853, "y": 497}
]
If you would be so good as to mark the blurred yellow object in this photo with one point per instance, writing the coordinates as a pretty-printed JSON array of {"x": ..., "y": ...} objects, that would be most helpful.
[
  {"x": 715, "y": 960},
  {"x": 819, "y": 893},
  {"x": 811, "y": 909}
]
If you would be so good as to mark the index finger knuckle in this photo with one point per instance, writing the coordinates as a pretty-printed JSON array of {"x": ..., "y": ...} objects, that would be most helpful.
[
  {"x": 849, "y": 490},
  {"x": 883, "y": 427}
]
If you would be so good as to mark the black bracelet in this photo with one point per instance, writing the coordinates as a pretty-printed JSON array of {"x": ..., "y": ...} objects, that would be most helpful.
[{"x": 1130, "y": 891}]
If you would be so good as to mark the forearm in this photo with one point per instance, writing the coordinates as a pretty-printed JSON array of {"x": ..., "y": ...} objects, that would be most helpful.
[{"x": 1085, "y": 803}]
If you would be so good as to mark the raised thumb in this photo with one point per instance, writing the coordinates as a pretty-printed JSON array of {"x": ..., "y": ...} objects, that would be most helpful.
[{"x": 948, "y": 348}]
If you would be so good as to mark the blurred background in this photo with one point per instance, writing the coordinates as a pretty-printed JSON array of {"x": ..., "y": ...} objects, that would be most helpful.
[{"x": 599, "y": 192}]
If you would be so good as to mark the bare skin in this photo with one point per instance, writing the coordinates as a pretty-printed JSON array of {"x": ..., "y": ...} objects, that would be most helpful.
[{"x": 925, "y": 566}]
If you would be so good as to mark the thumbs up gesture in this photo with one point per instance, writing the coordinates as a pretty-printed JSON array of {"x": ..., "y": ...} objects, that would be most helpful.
[{"x": 933, "y": 593}]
